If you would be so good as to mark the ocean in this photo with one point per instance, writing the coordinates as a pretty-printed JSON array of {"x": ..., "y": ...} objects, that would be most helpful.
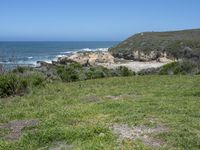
[{"x": 28, "y": 53}]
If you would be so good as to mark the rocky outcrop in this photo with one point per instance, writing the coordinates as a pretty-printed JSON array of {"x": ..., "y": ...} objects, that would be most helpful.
[
  {"x": 141, "y": 56},
  {"x": 105, "y": 59},
  {"x": 88, "y": 58},
  {"x": 44, "y": 64}
]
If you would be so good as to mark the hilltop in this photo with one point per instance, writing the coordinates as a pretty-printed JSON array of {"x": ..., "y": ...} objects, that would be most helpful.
[{"x": 148, "y": 46}]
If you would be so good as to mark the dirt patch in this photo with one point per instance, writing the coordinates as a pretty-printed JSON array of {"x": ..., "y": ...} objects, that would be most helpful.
[
  {"x": 142, "y": 133},
  {"x": 17, "y": 126},
  {"x": 91, "y": 98},
  {"x": 61, "y": 146},
  {"x": 111, "y": 97},
  {"x": 58, "y": 146}
]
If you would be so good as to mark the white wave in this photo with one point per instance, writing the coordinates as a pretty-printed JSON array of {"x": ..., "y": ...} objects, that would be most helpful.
[
  {"x": 68, "y": 52},
  {"x": 58, "y": 56},
  {"x": 85, "y": 50},
  {"x": 30, "y": 57},
  {"x": 93, "y": 50},
  {"x": 48, "y": 61}
]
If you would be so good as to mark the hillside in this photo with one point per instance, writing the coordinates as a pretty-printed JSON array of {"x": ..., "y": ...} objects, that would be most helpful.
[
  {"x": 140, "y": 112},
  {"x": 152, "y": 45}
]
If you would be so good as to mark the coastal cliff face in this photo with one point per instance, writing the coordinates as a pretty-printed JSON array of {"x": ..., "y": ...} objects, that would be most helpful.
[{"x": 150, "y": 46}]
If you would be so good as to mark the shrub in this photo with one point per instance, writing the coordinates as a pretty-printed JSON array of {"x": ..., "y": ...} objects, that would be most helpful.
[
  {"x": 11, "y": 84},
  {"x": 149, "y": 71},
  {"x": 14, "y": 84},
  {"x": 184, "y": 67},
  {"x": 35, "y": 80},
  {"x": 75, "y": 72},
  {"x": 19, "y": 69},
  {"x": 96, "y": 72},
  {"x": 124, "y": 71},
  {"x": 2, "y": 70},
  {"x": 67, "y": 73}
]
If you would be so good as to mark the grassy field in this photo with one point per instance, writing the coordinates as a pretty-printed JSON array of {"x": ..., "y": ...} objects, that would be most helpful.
[{"x": 83, "y": 115}]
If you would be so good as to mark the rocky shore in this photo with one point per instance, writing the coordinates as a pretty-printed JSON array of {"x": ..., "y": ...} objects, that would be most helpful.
[{"x": 106, "y": 59}]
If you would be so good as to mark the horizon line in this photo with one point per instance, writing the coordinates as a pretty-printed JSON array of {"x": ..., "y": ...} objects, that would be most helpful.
[{"x": 62, "y": 41}]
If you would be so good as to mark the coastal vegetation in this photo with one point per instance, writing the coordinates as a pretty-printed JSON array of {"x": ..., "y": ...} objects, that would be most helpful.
[
  {"x": 148, "y": 46},
  {"x": 21, "y": 79}
]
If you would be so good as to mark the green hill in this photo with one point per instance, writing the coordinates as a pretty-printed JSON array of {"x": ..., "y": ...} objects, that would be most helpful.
[{"x": 176, "y": 45}]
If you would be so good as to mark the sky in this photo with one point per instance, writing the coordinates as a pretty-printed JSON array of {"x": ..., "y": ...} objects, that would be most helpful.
[{"x": 93, "y": 20}]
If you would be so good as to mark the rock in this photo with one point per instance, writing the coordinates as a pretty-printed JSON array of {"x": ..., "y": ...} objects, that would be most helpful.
[
  {"x": 141, "y": 56},
  {"x": 65, "y": 60},
  {"x": 88, "y": 58},
  {"x": 44, "y": 64},
  {"x": 164, "y": 60}
]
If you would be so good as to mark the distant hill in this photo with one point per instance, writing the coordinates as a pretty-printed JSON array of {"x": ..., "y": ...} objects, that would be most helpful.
[{"x": 152, "y": 45}]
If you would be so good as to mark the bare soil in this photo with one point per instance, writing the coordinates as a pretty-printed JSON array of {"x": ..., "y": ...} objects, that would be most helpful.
[
  {"x": 17, "y": 126},
  {"x": 141, "y": 133}
]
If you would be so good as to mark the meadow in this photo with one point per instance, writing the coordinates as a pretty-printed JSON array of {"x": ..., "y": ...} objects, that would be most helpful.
[{"x": 136, "y": 112}]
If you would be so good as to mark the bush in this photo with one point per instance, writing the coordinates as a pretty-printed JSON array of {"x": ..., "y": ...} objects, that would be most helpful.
[
  {"x": 75, "y": 72},
  {"x": 35, "y": 80},
  {"x": 11, "y": 84},
  {"x": 184, "y": 67},
  {"x": 67, "y": 73},
  {"x": 149, "y": 71},
  {"x": 124, "y": 71},
  {"x": 2, "y": 70},
  {"x": 21, "y": 69},
  {"x": 97, "y": 72}
]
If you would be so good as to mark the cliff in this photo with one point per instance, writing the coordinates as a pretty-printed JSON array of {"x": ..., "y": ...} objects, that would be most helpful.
[{"x": 149, "y": 46}]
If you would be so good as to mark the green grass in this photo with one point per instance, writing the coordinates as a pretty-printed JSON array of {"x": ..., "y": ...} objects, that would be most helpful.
[{"x": 77, "y": 113}]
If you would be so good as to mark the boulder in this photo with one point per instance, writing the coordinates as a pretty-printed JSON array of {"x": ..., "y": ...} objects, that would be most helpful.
[
  {"x": 64, "y": 60},
  {"x": 44, "y": 64}
]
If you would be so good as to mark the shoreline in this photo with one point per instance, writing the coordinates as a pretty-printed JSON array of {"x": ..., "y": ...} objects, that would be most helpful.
[
  {"x": 105, "y": 59},
  {"x": 97, "y": 58}
]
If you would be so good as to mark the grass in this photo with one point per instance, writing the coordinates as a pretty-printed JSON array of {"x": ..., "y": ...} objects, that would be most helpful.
[{"x": 78, "y": 113}]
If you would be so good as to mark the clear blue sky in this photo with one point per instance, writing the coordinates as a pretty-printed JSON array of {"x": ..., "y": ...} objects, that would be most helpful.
[{"x": 82, "y": 20}]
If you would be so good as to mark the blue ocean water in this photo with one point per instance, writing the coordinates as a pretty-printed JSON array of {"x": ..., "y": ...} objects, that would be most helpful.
[{"x": 28, "y": 53}]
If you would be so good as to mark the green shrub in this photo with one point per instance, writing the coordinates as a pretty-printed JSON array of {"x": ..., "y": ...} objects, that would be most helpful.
[
  {"x": 2, "y": 69},
  {"x": 75, "y": 72},
  {"x": 149, "y": 71},
  {"x": 35, "y": 80},
  {"x": 21, "y": 69},
  {"x": 184, "y": 67},
  {"x": 124, "y": 71},
  {"x": 14, "y": 84},
  {"x": 67, "y": 73},
  {"x": 94, "y": 73},
  {"x": 11, "y": 84}
]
